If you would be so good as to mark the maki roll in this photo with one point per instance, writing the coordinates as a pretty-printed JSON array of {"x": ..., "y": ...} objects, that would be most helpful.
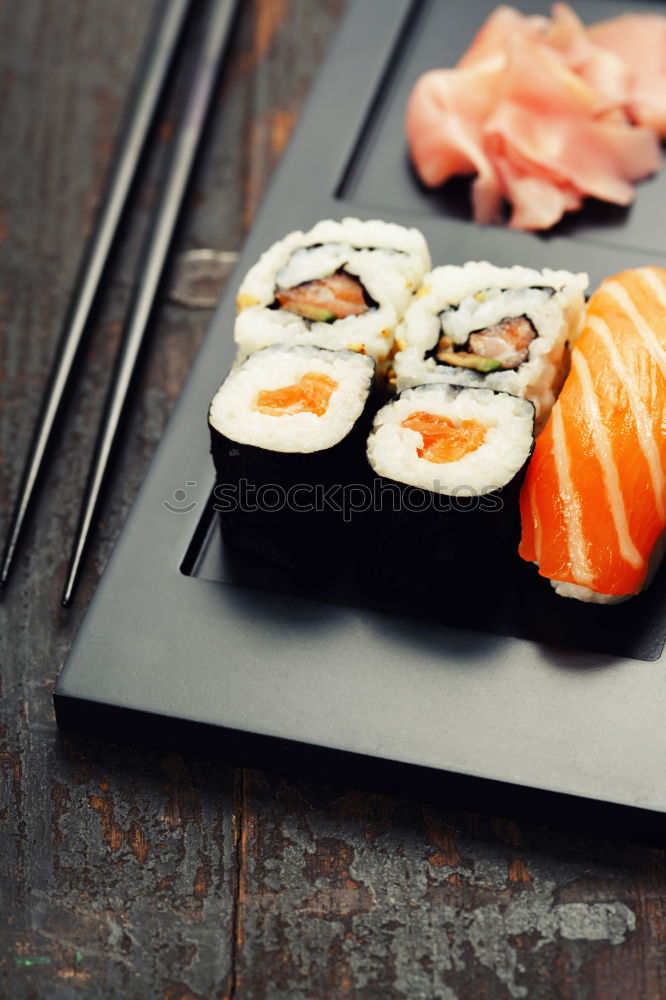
[
  {"x": 287, "y": 429},
  {"x": 449, "y": 461},
  {"x": 342, "y": 285},
  {"x": 502, "y": 328},
  {"x": 594, "y": 501}
]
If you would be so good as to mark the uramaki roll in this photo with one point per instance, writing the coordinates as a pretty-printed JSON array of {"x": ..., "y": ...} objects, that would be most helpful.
[
  {"x": 342, "y": 285},
  {"x": 505, "y": 328}
]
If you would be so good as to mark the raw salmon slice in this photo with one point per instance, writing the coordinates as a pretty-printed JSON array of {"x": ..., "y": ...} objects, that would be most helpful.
[
  {"x": 505, "y": 345},
  {"x": 593, "y": 504},
  {"x": 325, "y": 299},
  {"x": 443, "y": 440},
  {"x": 311, "y": 394}
]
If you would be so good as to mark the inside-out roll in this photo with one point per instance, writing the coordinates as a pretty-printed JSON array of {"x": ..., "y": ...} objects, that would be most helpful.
[
  {"x": 341, "y": 285},
  {"x": 457, "y": 456},
  {"x": 502, "y": 328},
  {"x": 288, "y": 424}
]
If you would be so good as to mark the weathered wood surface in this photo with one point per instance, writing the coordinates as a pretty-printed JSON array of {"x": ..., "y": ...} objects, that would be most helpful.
[{"x": 154, "y": 875}]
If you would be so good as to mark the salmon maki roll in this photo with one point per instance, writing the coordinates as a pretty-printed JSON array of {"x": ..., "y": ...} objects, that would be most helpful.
[
  {"x": 447, "y": 462},
  {"x": 287, "y": 430},
  {"x": 593, "y": 505}
]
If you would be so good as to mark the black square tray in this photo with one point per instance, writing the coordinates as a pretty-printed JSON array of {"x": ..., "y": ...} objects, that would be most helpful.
[{"x": 181, "y": 637}]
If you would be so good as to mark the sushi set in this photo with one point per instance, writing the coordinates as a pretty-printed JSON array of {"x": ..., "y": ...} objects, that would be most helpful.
[
  {"x": 424, "y": 523},
  {"x": 477, "y": 355}
]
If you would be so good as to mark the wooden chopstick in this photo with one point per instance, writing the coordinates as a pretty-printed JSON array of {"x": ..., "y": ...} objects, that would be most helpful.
[
  {"x": 216, "y": 34},
  {"x": 142, "y": 106}
]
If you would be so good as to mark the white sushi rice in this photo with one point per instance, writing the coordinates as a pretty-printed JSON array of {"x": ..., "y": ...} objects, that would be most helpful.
[
  {"x": 580, "y": 593},
  {"x": 393, "y": 449},
  {"x": 389, "y": 261},
  {"x": 233, "y": 410},
  {"x": 456, "y": 301}
]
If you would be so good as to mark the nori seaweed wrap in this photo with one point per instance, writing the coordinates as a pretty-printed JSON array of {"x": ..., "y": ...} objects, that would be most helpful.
[
  {"x": 288, "y": 430},
  {"x": 448, "y": 463}
]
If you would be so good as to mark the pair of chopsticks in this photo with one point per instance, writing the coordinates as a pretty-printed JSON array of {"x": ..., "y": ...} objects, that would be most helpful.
[{"x": 143, "y": 106}]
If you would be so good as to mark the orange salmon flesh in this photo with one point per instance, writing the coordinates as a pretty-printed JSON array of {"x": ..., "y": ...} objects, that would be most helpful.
[
  {"x": 444, "y": 441},
  {"x": 593, "y": 503},
  {"x": 325, "y": 299},
  {"x": 311, "y": 394}
]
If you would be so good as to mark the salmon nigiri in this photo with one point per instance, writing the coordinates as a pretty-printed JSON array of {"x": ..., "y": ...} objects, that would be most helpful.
[{"x": 593, "y": 504}]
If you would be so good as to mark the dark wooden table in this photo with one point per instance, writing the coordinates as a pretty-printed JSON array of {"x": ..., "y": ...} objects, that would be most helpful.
[{"x": 127, "y": 873}]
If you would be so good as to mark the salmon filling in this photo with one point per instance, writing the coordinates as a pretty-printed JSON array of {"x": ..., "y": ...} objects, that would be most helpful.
[
  {"x": 325, "y": 299},
  {"x": 497, "y": 348},
  {"x": 443, "y": 440},
  {"x": 311, "y": 394}
]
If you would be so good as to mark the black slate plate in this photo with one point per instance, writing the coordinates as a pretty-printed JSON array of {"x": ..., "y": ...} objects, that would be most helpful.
[{"x": 551, "y": 695}]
